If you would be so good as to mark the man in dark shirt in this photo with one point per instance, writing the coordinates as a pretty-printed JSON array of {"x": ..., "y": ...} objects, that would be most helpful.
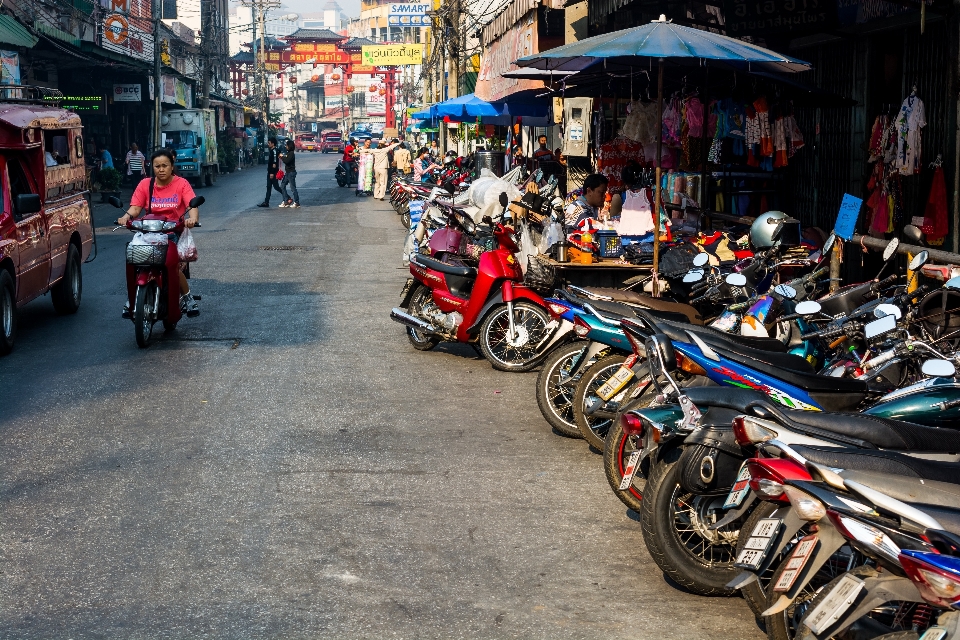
[{"x": 273, "y": 165}]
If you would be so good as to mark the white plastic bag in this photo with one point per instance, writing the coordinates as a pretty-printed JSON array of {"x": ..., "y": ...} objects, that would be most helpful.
[
  {"x": 149, "y": 239},
  {"x": 552, "y": 234},
  {"x": 186, "y": 247}
]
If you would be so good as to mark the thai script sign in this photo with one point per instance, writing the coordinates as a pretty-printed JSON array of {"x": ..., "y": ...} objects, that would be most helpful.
[{"x": 392, "y": 55}]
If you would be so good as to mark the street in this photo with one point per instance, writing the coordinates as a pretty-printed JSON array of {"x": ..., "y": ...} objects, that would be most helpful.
[{"x": 286, "y": 465}]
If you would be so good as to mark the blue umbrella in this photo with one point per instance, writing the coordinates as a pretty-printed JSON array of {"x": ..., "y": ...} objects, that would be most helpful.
[
  {"x": 662, "y": 40},
  {"x": 429, "y": 113},
  {"x": 468, "y": 106}
]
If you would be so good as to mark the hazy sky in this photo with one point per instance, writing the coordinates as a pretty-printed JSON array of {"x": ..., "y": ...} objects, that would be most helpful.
[{"x": 350, "y": 7}]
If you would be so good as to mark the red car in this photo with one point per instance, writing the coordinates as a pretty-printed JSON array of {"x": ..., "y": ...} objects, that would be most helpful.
[
  {"x": 331, "y": 141},
  {"x": 45, "y": 227},
  {"x": 305, "y": 142}
]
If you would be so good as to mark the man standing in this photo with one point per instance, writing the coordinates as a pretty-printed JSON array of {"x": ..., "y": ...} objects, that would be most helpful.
[
  {"x": 136, "y": 164},
  {"x": 401, "y": 158},
  {"x": 290, "y": 177},
  {"x": 542, "y": 153},
  {"x": 350, "y": 161},
  {"x": 273, "y": 165},
  {"x": 381, "y": 165}
]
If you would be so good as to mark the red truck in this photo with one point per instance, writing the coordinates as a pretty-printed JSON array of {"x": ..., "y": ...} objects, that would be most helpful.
[{"x": 46, "y": 230}]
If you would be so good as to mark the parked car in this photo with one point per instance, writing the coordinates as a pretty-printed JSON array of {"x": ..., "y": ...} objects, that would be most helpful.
[
  {"x": 46, "y": 231},
  {"x": 305, "y": 142},
  {"x": 331, "y": 141}
]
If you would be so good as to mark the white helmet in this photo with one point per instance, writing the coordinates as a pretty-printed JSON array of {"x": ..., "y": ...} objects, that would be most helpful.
[{"x": 767, "y": 231}]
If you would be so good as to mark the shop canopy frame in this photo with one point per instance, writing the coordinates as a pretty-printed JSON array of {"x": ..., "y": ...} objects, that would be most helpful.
[{"x": 664, "y": 41}]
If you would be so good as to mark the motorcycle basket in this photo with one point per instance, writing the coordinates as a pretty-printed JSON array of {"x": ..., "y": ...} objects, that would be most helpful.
[
  {"x": 146, "y": 254},
  {"x": 540, "y": 275}
]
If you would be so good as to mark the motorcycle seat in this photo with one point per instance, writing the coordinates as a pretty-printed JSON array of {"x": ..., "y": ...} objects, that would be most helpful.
[
  {"x": 768, "y": 350},
  {"x": 618, "y": 310},
  {"x": 442, "y": 267},
  {"x": 931, "y": 492},
  {"x": 882, "y": 433},
  {"x": 890, "y": 463},
  {"x": 648, "y": 301}
]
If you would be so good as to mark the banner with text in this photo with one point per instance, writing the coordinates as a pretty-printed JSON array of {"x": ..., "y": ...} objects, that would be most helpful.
[{"x": 392, "y": 55}]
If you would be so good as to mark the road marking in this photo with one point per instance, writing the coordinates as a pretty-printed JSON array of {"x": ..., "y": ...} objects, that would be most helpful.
[{"x": 304, "y": 224}]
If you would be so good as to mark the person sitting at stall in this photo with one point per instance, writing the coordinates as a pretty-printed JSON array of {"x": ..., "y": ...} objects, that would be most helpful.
[
  {"x": 559, "y": 156},
  {"x": 543, "y": 153},
  {"x": 423, "y": 164},
  {"x": 588, "y": 204}
]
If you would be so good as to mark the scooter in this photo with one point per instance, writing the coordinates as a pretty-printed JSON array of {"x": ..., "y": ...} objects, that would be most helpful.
[
  {"x": 486, "y": 304},
  {"x": 153, "y": 274},
  {"x": 344, "y": 176}
]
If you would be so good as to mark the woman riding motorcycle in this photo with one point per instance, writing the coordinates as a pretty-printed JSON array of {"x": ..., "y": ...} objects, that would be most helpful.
[{"x": 171, "y": 195}]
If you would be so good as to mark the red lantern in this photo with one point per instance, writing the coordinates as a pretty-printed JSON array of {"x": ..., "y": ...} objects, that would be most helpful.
[
  {"x": 245, "y": 92},
  {"x": 279, "y": 91},
  {"x": 350, "y": 88},
  {"x": 383, "y": 92},
  {"x": 335, "y": 77},
  {"x": 293, "y": 79},
  {"x": 314, "y": 78},
  {"x": 373, "y": 88}
]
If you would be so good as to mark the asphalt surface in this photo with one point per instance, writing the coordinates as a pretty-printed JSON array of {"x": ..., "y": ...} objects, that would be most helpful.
[{"x": 286, "y": 465}]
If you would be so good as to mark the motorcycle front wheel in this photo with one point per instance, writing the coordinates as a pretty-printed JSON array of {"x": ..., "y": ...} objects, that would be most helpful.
[
  {"x": 555, "y": 399},
  {"x": 594, "y": 428},
  {"x": 144, "y": 308},
  {"x": 516, "y": 352}
]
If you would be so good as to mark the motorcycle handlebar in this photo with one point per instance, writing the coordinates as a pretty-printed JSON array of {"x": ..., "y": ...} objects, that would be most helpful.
[
  {"x": 882, "y": 284},
  {"x": 826, "y": 334}
]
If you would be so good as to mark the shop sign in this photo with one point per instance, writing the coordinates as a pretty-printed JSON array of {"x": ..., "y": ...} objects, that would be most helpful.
[
  {"x": 332, "y": 103},
  {"x": 176, "y": 91},
  {"x": 518, "y": 41},
  {"x": 126, "y": 92},
  {"x": 409, "y": 14},
  {"x": 376, "y": 103},
  {"x": 122, "y": 36},
  {"x": 314, "y": 47},
  {"x": 763, "y": 17},
  {"x": 319, "y": 57},
  {"x": 271, "y": 66},
  {"x": 119, "y": 6},
  {"x": 83, "y": 104},
  {"x": 392, "y": 55}
]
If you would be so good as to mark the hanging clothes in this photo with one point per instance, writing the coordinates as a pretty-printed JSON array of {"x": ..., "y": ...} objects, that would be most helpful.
[
  {"x": 935, "y": 224},
  {"x": 636, "y": 216},
  {"x": 614, "y": 156},
  {"x": 909, "y": 126}
]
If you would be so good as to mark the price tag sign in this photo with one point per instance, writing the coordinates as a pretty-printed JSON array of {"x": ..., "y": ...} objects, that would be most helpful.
[{"x": 847, "y": 217}]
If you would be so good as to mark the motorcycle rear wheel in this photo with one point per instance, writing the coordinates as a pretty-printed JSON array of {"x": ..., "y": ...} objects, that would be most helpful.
[
  {"x": 673, "y": 524},
  {"x": 420, "y": 340},
  {"x": 530, "y": 322},
  {"x": 142, "y": 322},
  {"x": 556, "y": 400}
]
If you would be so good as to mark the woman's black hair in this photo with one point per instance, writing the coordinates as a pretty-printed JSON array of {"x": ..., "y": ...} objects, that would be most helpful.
[
  {"x": 290, "y": 145},
  {"x": 422, "y": 151},
  {"x": 166, "y": 153}
]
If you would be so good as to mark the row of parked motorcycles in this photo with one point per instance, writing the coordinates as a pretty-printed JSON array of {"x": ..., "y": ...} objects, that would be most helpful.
[{"x": 795, "y": 446}]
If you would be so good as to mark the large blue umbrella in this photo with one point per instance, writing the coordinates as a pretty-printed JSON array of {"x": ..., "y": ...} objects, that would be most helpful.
[
  {"x": 662, "y": 40},
  {"x": 468, "y": 106}
]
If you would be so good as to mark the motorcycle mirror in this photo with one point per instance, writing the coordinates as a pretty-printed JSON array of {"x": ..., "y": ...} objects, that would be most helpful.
[
  {"x": 890, "y": 249},
  {"x": 701, "y": 259},
  {"x": 879, "y": 327},
  {"x": 936, "y": 368},
  {"x": 952, "y": 283},
  {"x": 115, "y": 201},
  {"x": 504, "y": 199},
  {"x": 919, "y": 260},
  {"x": 487, "y": 220},
  {"x": 808, "y": 308},
  {"x": 887, "y": 310},
  {"x": 785, "y": 291},
  {"x": 736, "y": 280},
  {"x": 913, "y": 233},
  {"x": 828, "y": 245},
  {"x": 196, "y": 201},
  {"x": 695, "y": 275}
]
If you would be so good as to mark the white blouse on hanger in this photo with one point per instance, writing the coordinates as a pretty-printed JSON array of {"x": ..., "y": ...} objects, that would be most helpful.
[{"x": 636, "y": 218}]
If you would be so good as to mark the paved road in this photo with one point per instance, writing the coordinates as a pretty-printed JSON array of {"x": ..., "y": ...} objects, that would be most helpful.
[{"x": 287, "y": 466}]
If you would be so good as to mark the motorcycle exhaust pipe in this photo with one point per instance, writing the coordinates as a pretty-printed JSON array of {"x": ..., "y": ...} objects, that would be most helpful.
[{"x": 398, "y": 315}]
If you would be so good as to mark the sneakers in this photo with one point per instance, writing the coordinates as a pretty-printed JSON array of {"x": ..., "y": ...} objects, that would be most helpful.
[
  {"x": 126, "y": 314},
  {"x": 283, "y": 205},
  {"x": 189, "y": 306},
  {"x": 295, "y": 205},
  {"x": 263, "y": 204}
]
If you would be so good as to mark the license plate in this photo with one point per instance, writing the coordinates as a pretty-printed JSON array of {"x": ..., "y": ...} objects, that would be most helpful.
[
  {"x": 740, "y": 488},
  {"x": 934, "y": 633},
  {"x": 833, "y": 606},
  {"x": 795, "y": 563},
  {"x": 632, "y": 463},
  {"x": 758, "y": 543},
  {"x": 618, "y": 380}
]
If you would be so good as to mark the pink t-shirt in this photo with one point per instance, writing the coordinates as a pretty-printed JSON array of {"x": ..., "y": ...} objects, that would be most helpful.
[{"x": 169, "y": 202}]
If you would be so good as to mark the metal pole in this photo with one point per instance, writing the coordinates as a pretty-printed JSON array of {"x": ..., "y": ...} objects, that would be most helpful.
[
  {"x": 157, "y": 84},
  {"x": 263, "y": 75},
  {"x": 658, "y": 195}
]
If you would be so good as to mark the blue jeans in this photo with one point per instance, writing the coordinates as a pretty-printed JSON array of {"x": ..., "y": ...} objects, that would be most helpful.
[{"x": 290, "y": 177}]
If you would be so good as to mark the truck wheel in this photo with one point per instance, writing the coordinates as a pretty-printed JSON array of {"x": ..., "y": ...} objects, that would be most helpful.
[
  {"x": 66, "y": 293},
  {"x": 8, "y": 313},
  {"x": 208, "y": 177}
]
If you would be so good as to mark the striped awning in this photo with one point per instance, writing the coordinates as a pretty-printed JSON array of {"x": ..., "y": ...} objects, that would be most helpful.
[{"x": 12, "y": 32}]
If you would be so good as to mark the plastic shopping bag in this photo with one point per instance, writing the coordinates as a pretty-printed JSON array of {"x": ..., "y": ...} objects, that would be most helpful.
[
  {"x": 143, "y": 239},
  {"x": 186, "y": 247}
]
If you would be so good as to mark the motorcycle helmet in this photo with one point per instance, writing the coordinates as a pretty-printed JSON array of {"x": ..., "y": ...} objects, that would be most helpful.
[
  {"x": 450, "y": 157},
  {"x": 774, "y": 229}
]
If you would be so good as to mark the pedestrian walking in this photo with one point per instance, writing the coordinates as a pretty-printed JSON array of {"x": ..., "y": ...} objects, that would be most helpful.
[
  {"x": 273, "y": 165},
  {"x": 401, "y": 158},
  {"x": 381, "y": 165},
  {"x": 136, "y": 164},
  {"x": 290, "y": 177}
]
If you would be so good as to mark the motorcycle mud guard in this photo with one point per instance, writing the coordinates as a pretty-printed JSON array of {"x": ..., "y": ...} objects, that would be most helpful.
[
  {"x": 828, "y": 541},
  {"x": 416, "y": 284},
  {"x": 565, "y": 329},
  {"x": 495, "y": 300},
  {"x": 879, "y": 590},
  {"x": 145, "y": 276},
  {"x": 736, "y": 513},
  {"x": 574, "y": 376}
]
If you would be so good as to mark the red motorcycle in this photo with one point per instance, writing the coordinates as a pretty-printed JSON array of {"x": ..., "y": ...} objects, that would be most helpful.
[
  {"x": 453, "y": 301},
  {"x": 153, "y": 274}
]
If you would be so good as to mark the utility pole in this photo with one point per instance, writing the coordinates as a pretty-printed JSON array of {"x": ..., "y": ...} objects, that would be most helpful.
[
  {"x": 258, "y": 10},
  {"x": 157, "y": 84},
  {"x": 205, "y": 20}
]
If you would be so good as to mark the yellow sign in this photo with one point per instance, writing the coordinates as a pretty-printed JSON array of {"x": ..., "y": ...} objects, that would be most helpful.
[{"x": 392, "y": 55}]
